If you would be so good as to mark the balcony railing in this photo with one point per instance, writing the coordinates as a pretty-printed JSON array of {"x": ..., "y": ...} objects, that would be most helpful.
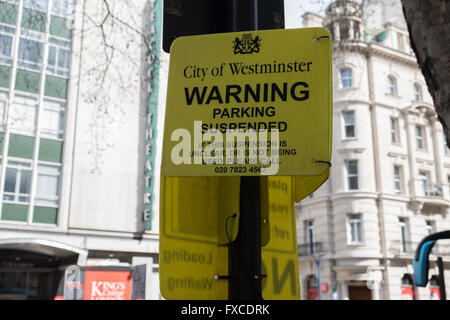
[
  {"x": 409, "y": 247},
  {"x": 429, "y": 198},
  {"x": 403, "y": 247},
  {"x": 441, "y": 249},
  {"x": 432, "y": 190},
  {"x": 310, "y": 249}
]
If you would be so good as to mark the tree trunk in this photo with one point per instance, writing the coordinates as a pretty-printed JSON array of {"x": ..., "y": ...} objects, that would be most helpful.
[{"x": 429, "y": 28}]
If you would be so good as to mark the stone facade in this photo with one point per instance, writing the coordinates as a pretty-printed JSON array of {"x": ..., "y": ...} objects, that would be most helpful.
[
  {"x": 82, "y": 168},
  {"x": 389, "y": 184}
]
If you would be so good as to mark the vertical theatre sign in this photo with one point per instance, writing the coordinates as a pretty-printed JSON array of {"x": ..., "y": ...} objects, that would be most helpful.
[{"x": 154, "y": 47}]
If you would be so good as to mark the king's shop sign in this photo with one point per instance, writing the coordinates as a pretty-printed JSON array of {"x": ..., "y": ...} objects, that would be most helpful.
[
  {"x": 104, "y": 283},
  {"x": 107, "y": 285}
]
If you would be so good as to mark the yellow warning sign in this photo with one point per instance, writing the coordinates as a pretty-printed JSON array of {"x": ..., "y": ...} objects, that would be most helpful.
[{"x": 249, "y": 103}]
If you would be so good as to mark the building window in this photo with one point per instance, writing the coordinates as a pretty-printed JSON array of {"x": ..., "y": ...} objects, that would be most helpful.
[
  {"x": 352, "y": 174},
  {"x": 346, "y": 78},
  {"x": 397, "y": 179},
  {"x": 17, "y": 182},
  {"x": 30, "y": 53},
  {"x": 395, "y": 133},
  {"x": 446, "y": 149},
  {"x": 424, "y": 182},
  {"x": 3, "y": 104},
  {"x": 310, "y": 236},
  {"x": 6, "y": 42},
  {"x": 392, "y": 85},
  {"x": 39, "y": 5},
  {"x": 355, "y": 229},
  {"x": 22, "y": 115},
  {"x": 429, "y": 227},
  {"x": 407, "y": 287},
  {"x": 400, "y": 43},
  {"x": 420, "y": 137},
  {"x": 53, "y": 119},
  {"x": 417, "y": 92},
  {"x": 404, "y": 235},
  {"x": 312, "y": 286},
  {"x": 349, "y": 124},
  {"x": 47, "y": 189},
  {"x": 63, "y": 8},
  {"x": 435, "y": 293},
  {"x": 59, "y": 57},
  {"x": 344, "y": 29},
  {"x": 448, "y": 182}
]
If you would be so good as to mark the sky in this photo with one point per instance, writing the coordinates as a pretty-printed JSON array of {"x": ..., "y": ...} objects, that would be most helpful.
[{"x": 294, "y": 9}]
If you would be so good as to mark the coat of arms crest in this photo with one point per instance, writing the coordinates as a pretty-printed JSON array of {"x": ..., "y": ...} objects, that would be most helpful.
[{"x": 247, "y": 44}]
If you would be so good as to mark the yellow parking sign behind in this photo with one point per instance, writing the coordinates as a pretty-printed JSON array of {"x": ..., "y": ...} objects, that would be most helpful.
[
  {"x": 280, "y": 257},
  {"x": 196, "y": 225},
  {"x": 194, "y": 228}
]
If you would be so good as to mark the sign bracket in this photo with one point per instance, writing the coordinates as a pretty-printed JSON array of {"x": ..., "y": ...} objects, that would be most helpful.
[{"x": 251, "y": 277}]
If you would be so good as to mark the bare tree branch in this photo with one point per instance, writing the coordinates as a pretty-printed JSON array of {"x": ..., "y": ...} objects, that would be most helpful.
[{"x": 429, "y": 28}]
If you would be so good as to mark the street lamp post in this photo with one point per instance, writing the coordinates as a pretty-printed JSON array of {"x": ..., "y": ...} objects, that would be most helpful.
[{"x": 319, "y": 284}]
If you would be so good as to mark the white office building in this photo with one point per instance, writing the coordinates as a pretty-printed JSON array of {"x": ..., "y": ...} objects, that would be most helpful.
[
  {"x": 390, "y": 180},
  {"x": 81, "y": 85}
]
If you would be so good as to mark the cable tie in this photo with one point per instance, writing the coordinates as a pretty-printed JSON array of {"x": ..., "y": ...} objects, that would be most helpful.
[
  {"x": 318, "y": 38},
  {"x": 326, "y": 162}
]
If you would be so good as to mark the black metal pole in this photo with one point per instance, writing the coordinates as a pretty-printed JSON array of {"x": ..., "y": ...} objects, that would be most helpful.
[
  {"x": 255, "y": 15},
  {"x": 234, "y": 15},
  {"x": 441, "y": 279},
  {"x": 244, "y": 254}
]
